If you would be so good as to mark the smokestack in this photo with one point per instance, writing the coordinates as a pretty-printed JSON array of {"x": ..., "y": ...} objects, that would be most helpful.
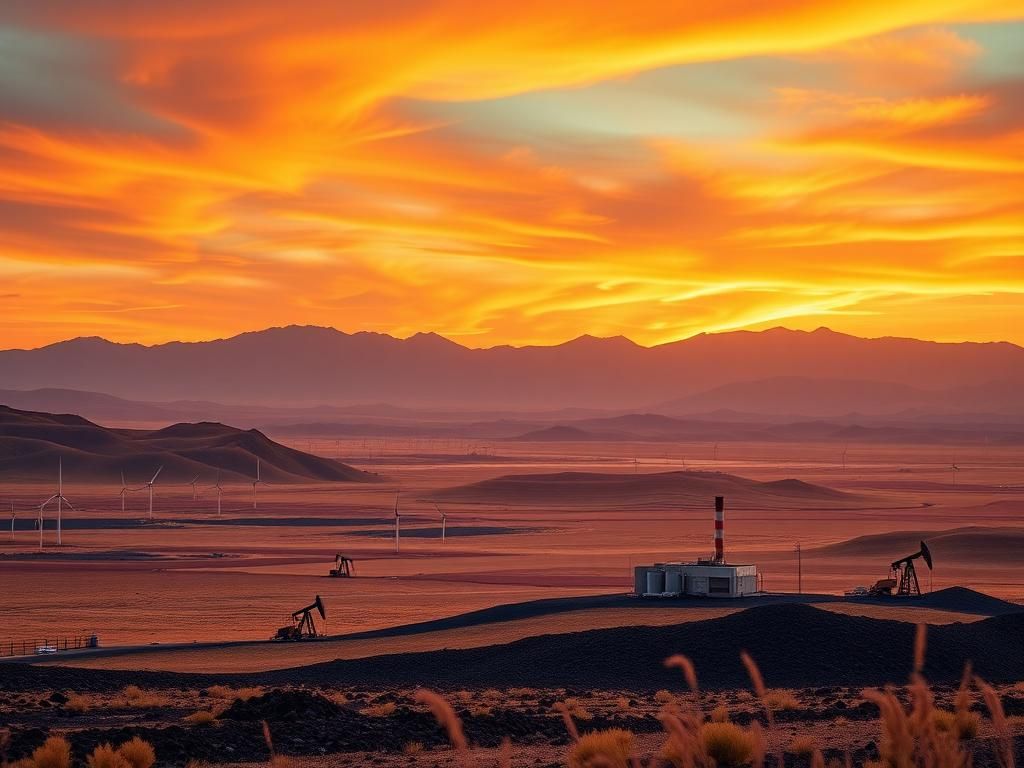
[{"x": 719, "y": 529}]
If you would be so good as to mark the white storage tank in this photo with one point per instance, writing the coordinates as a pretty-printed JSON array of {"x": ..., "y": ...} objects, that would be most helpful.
[
  {"x": 655, "y": 582},
  {"x": 674, "y": 582}
]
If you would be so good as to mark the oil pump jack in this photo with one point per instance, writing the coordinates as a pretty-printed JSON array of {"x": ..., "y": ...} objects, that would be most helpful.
[
  {"x": 344, "y": 567},
  {"x": 908, "y": 583},
  {"x": 303, "y": 626}
]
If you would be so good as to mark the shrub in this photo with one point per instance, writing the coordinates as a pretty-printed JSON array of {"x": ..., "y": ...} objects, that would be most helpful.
[
  {"x": 412, "y": 747},
  {"x": 55, "y": 752},
  {"x": 727, "y": 744},
  {"x": 608, "y": 749},
  {"x": 963, "y": 723},
  {"x": 232, "y": 694},
  {"x": 622, "y": 704},
  {"x": 138, "y": 752},
  {"x": 141, "y": 699},
  {"x": 77, "y": 703},
  {"x": 720, "y": 714},
  {"x": 781, "y": 700},
  {"x": 105, "y": 756},
  {"x": 663, "y": 697},
  {"x": 803, "y": 746},
  {"x": 380, "y": 710},
  {"x": 202, "y": 717}
]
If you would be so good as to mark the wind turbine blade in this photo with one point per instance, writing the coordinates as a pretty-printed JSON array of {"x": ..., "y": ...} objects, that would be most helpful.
[
  {"x": 43, "y": 505},
  {"x": 157, "y": 473},
  {"x": 194, "y": 479},
  {"x": 122, "y": 479},
  {"x": 70, "y": 505}
]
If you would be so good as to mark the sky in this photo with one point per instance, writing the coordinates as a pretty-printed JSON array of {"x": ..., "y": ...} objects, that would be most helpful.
[{"x": 511, "y": 172}]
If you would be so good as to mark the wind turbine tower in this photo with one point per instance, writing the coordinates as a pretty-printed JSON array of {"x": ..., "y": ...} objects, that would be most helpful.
[
  {"x": 61, "y": 501},
  {"x": 257, "y": 481},
  {"x": 195, "y": 492},
  {"x": 150, "y": 486},
  {"x": 398, "y": 525}
]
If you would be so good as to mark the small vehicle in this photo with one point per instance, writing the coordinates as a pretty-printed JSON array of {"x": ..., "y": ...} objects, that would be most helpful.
[
  {"x": 45, "y": 650},
  {"x": 857, "y": 592}
]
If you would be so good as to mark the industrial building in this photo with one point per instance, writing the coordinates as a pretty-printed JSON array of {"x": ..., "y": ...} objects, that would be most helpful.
[{"x": 711, "y": 577}]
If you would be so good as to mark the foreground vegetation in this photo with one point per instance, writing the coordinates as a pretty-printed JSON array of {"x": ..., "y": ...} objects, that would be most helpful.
[{"x": 913, "y": 731}]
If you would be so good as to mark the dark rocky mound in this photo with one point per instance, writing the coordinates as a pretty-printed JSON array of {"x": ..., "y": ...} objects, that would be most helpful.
[{"x": 795, "y": 646}]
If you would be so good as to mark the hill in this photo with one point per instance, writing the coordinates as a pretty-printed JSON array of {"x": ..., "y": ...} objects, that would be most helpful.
[
  {"x": 660, "y": 489},
  {"x": 794, "y": 645},
  {"x": 31, "y": 444},
  {"x": 976, "y": 544},
  {"x": 303, "y": 365}
]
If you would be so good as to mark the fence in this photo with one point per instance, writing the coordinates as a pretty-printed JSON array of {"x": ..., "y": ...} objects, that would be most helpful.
[{"x": 59, "y": 643}]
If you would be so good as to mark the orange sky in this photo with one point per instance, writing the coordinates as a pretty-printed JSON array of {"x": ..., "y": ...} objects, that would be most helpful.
[{"x": 511, "y": 172}]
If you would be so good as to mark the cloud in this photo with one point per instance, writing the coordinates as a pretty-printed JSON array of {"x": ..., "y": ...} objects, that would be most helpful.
[{"x": 501, "y": 172}]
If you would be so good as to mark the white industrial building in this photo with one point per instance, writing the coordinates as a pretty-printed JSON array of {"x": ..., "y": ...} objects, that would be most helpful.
[{"x": 711, "y": 577}]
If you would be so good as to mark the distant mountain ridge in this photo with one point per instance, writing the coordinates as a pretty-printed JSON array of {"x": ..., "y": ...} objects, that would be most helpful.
[
  {"x": 32, "y": 443},
  {"x": 303, "y": 364}
]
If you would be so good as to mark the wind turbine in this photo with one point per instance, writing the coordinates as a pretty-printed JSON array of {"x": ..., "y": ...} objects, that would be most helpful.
[
  {"x": 150, "y": 486},
  {"x": 219, "y": 492},
  {"x": 59, "y": 498},
  {"x": 955, "y": 469},
  {"x": 124, "y": 491},
  {"x": 192, "y": 482},
  {"x": 398, "y": 524},
  {"x": 444, "y": 522},
  {"x": 257, "y": 481},
  {"x": 12, "y": 521}
]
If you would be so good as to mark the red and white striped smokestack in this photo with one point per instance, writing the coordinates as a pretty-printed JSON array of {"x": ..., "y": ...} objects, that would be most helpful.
[{"x": 720, "y": 529}]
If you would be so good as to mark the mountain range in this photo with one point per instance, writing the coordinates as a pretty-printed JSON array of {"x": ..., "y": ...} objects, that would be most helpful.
[{"x": 816, "y": 373}]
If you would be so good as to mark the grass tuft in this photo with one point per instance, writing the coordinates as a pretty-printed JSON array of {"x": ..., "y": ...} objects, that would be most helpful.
[
  {"x": 138, "y": 752},
  {"x": 201, "y": 718},
  {"x": 804, "y": 746},
  {"x": 105, "y": 756},
  {"x": 608, "y": 749},
  {"x": 55, "y": 752},
  {"x": 727, "y": 744},
  {"x": 77, "y": 703}
]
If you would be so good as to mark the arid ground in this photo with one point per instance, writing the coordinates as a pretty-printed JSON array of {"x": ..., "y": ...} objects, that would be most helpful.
[{"x": 196, "y": 595}]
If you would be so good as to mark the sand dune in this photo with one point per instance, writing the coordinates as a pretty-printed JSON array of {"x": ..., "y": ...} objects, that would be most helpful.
[
  {"x": 31, "y": 443},
  {"x": 971, "y": 544},
  {"x": 603, "y": 490}
]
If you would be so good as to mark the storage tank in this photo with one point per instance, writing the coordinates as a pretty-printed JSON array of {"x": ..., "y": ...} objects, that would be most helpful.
[
  {"x": 655, "y": 582},
  {"x": 674, "y": 582}
]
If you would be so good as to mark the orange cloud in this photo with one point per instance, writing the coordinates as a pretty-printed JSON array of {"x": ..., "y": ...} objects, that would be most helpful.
[{"x": 260, "y": 164}]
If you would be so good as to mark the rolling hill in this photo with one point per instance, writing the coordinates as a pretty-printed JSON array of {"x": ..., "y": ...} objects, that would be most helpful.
[
  {"x": 974, "y": 544},
  {"x": 31, "y": 444},
  {"x": 661, "y": 489},
  {"x": 312, "y": 365}
]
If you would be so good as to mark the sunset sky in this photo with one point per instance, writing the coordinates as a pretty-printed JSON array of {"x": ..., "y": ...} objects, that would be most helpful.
[{"x": 510, "y": 172}]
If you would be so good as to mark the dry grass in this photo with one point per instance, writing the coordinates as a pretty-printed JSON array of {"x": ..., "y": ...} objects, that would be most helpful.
[
  {"x": 575, "y": 708},
  {"x": 412, "y": 747},
  {"x": 781, "y": 701},
  {"x": 138, "y": 752},
  {"x": 803, "y": 745},
  {"x": 233, "y": 694},
  {"x": 608, "y": 749},
  {"x": 105, "y": 756},
  {"x": 281, "y": 761},
  {"x": 663, "y": 697},
  {"x": 55, "y": 752},
  {"x": 720, "y": 714},
  {"x": 77, "y": 703},
  {"x": 201, "y": 718},
  {"x": 380, "y": 710},
  {"x": 136, "y": 698},
  {"x": 622, "y": 704},
  {"x": 727, "y": 744}
]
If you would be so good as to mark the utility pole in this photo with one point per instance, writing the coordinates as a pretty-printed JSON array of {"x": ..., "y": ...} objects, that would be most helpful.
[{"x": 799, "y": 569}]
